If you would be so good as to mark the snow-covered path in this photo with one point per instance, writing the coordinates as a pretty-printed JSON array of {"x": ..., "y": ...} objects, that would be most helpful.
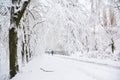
[{"x": 48, "y": 67}]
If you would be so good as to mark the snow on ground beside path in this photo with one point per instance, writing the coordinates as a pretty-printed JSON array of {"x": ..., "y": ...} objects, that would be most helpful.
[
  {"x": 49, "y": 67},
  {"x": 108, "y": 62}
]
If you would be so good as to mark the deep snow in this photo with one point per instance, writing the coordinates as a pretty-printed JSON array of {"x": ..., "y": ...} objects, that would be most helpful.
[{"x": 48, "y": 67}]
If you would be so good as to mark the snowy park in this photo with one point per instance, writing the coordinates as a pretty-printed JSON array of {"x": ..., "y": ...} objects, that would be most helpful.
[{"x": 59, "y": 39}]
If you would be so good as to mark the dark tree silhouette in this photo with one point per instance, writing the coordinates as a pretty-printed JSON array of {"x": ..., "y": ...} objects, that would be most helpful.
[{"x": 14, "y": 21}]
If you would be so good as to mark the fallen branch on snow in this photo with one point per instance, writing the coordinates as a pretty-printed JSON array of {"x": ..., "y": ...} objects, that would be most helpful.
[{"x": 45, "y": 70}]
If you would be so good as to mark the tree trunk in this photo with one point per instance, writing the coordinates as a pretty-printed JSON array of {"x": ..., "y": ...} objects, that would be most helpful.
[
  {"x": 15, "y": 20},
  {"x": 13, "y": 52}
]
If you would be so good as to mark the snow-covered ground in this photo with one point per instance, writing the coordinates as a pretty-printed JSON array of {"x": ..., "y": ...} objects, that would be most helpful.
[{"x": 47, "y": 67}]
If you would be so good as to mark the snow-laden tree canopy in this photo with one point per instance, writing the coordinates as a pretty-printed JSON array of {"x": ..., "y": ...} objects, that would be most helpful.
[{"x": 85, "y": 27}]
